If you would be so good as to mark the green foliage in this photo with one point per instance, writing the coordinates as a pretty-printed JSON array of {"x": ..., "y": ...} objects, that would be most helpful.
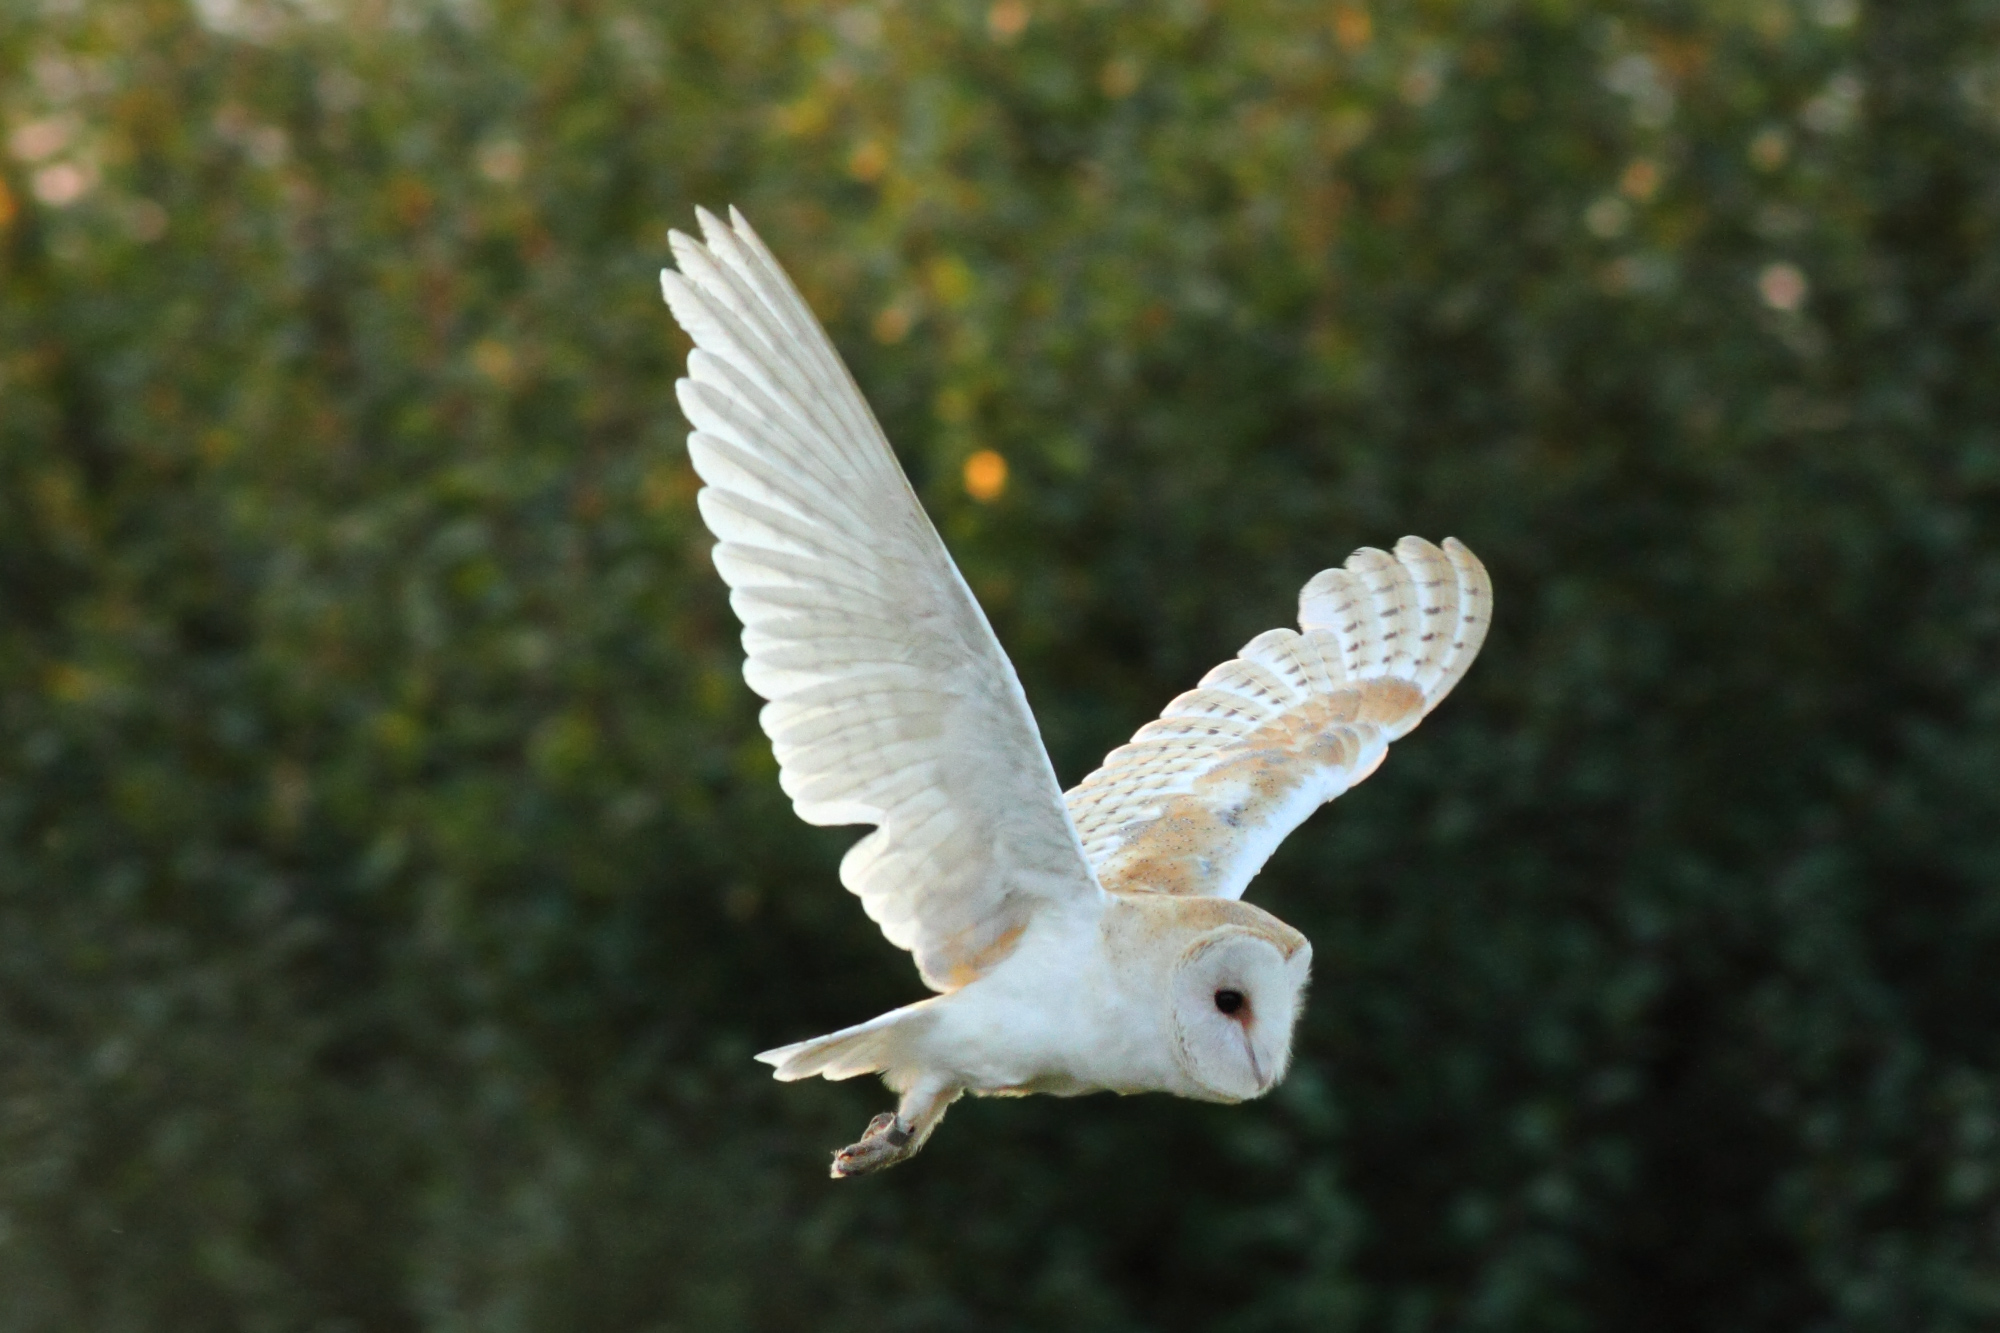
[{"x": 393, "y": 881}]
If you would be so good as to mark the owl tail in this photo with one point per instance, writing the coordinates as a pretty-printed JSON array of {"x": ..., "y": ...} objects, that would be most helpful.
[{"x": 877, "y": 1046}]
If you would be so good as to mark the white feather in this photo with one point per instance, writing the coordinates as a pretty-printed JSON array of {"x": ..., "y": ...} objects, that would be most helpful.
[
  {"x": 1200, "y": 799},
  {"x": 891, "y": 702}
]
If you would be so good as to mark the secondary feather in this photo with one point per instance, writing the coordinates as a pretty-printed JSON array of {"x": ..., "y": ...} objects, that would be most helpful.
[{"x": 1199, "y": 800}]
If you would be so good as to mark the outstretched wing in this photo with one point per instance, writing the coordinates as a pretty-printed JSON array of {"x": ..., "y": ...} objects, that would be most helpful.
[
  {"x": 1199, "y": 800},
  {"x": 891, "y": 703}
]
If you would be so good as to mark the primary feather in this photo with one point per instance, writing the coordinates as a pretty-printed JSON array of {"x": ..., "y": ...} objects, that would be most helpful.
[{"x": 891, "y": 702}]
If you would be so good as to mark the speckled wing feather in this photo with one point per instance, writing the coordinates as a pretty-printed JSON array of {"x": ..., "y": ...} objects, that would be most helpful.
[
  {"x": 891, "y": 702},
  {"x": 1199, "y": 800}
]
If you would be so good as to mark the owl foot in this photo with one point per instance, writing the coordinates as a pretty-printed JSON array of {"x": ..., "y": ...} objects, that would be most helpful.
[
  {"x": 887, "y": 1142},
  {"x": 897, "y": 1136}
]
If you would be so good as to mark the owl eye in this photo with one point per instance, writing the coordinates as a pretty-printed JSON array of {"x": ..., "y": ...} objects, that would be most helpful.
[{"x": 1229, "y": 1001}]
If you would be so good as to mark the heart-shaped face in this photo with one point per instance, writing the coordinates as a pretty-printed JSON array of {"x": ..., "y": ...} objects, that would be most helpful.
[{"x": 1236, "y": 998}]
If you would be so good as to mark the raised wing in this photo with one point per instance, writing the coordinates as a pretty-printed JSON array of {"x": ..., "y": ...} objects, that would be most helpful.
[
  {"x": 1199, "y": 800},
  {"x": 891, "y": 702}
]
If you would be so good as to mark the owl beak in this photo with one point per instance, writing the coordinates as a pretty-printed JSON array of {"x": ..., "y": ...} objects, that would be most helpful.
[{"x": 1256, "y": 1069}]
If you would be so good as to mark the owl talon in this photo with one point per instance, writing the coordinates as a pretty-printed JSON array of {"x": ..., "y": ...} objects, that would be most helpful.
[{"x": 885, "y": 1143}]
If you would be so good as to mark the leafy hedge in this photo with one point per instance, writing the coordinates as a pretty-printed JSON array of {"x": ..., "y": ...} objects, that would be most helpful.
[{"x": 393, "y": 881}]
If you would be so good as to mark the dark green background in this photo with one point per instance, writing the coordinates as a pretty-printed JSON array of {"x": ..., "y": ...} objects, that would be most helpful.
[{"x": 394, "y": 883}]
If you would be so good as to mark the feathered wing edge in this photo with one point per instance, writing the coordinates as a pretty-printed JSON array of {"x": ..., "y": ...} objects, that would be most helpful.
[
  {"x": 882, "y": 1043},
  {"x": 890, "y": 701},
  {"x": 1199, "y": 800}
]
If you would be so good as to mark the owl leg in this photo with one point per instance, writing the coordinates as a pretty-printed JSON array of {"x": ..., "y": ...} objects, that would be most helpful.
[{"x": 897, "y": 1136}]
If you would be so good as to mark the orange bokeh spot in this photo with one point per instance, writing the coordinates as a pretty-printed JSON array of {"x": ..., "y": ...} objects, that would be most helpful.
[
  {"x": 1352, "y": 27},
  {"x": 985, "y": 476},
  {"x": 1006, "y": 19},
  {"x": 1641, "y": 179},
  {"x": 868, "y": 161}
]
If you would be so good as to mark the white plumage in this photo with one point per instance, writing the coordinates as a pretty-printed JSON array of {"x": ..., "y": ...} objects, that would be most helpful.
[
  {"x": 891, "y": 702},
  {"x": 1082, "y": 943},
  {"x": 1199, "y": 800}
]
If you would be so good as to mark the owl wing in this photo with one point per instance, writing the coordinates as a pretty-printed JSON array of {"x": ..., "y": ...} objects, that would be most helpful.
[
  {"x": 1199, "y": 800},
  {"x": 891, "y": 702}
]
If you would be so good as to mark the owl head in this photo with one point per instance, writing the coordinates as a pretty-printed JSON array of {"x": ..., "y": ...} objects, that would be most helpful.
[{"x": 1237, "y": 991}]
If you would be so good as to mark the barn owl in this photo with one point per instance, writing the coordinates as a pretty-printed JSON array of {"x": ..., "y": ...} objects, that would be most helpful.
[{"x": 1086, "y": 941}]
